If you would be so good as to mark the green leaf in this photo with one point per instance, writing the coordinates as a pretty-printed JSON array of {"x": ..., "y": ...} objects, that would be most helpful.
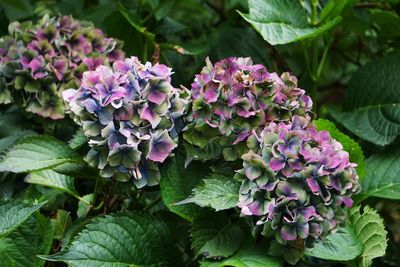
[
  {"x": 213, "y": 235},
  {"x": 372, "y": 103},
  {"x": 251, "y": 258},
  {"x": 122, "y": 239},
  {"x": 388, "y": 23},
  {"x": 177, "y": 183},
  {"x": 14, "y": 214},
  {"x": 60, "y": 221},
  {"x": 210, "y": 151},
  {"x": 383, "y": 179},
  {"x": 78, "y": 140},
  {"x": 247, "y": 256},
  {"x": 217, "y": 191},
  {"x": 33, "y": 237},
  {"x": 369, "y": 228},
  {"x": 283, "y": 21},
  {"x": 349, "y": 145},
  {"x": 50, "y": 178},
  {"x": 37, "y": 153},
  {"x": 164, "y": 8},
  {"x": 84, "y": 205},
  {"x": 15, "y": 10},
  {"x": 341, "y": 245},
  {"x": 14, "y": 136},
  {"x": 334, "y": 8},
  {"x": 134, "y": 23}
]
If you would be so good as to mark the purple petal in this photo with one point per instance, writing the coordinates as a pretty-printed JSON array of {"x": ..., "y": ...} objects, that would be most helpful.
[
  {"x": 157, "y": 97},
  {"x": 307, "y": 212},
  {"x": 245, "y": 113},
  {"x": 241, "y": 136},
  {"x": 288, "y": 233},
  {"x": 160, "y": 147},
  {"x": 149, "y": 115},
  {"x": 93, "y": 63},
  {"x": 277, "y": 164},
  {"x": 68, "y": 94},
  {"x": 348, "y": 202},
  {"x": 211, "y": 93},
  {"x": 313, "y": 185}
]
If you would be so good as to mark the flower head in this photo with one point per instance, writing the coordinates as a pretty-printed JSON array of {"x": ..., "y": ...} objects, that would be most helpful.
[
  {"x": 39, "y": 60},
  {"x": 235, "y": 97},
  {"x": 297, "y": 181},
  {"x": 128, "y": 112}
]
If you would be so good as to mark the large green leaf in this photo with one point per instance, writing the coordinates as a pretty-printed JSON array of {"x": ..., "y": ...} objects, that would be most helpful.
[
  {"x": 177, "y": 183},
  {"x": 14, "y": 214},
  {"x": 341, "y": 245},
  {"x": 217, "y": 191},
  {"x": 247, "y": 256},
  {"x": 21, "y": 247},
  {"x": 214, "y": 236},
  {"x": 383, "y": 179},
  {"x": 369, "y": 228},
  {"x": 78, "y": 140},
  {"x": 349, "y": 145},
  {"x": 13, "y": 137},
  {"x": 37, "y": 153},
  {"x": 251, "y": 258},
  {"x": 53, "y": 179},
  {"x": 123, "y": 239},
  {"x": 283, "y": 21},
  {"x": 372, "y": 104}
]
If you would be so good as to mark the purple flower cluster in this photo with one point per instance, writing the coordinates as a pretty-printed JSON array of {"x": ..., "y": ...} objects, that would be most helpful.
[
  {"x": 38, "y": 61},
  {"x": 236, "y": 97},
  {"x": 130, "y": 113},
  {"x": 297, "y": 181}
]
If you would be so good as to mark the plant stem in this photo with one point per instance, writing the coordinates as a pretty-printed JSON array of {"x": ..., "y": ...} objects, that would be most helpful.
[
  {"x": 314, "y": 12},
  {"x": 324, "y": 55}
]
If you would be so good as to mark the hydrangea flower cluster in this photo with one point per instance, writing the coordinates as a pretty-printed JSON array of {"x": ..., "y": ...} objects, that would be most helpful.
[
  {"x": 236, "y": 97},
  {"x": 297, "y": 181},
  {"x": 38, "y": 61},
  {"x": 130, "y": 113}
]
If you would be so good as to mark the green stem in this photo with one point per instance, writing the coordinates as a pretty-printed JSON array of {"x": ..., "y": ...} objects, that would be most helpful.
[
  {"x": 324, "y": 56},
  {"x": 314, "y": 12},
  {"x": 306, "y": 57},
  {"x": 96, "y": 189},
  {"x": 315, "y": 61},
  {"x": 83, "y": 200}
]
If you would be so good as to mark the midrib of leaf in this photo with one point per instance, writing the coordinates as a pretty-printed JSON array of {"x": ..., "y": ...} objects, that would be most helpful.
[
  {"x": 382, "y": 188},
  {"x": 374, "y": 106},
  {"x": 375, "y": 186},
  {"x": 387, "y": 135},
  {"x": 101, "y": 263}
]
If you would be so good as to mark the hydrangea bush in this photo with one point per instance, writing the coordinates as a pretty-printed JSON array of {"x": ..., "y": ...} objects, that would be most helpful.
[
  {"x": 234, "y": 171},
  {"x": 298, "y": 182},
  {"x": 39, "y": 60},
  {"x": 130, "y": 113},
  {"x": 233, "y": 97}
]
